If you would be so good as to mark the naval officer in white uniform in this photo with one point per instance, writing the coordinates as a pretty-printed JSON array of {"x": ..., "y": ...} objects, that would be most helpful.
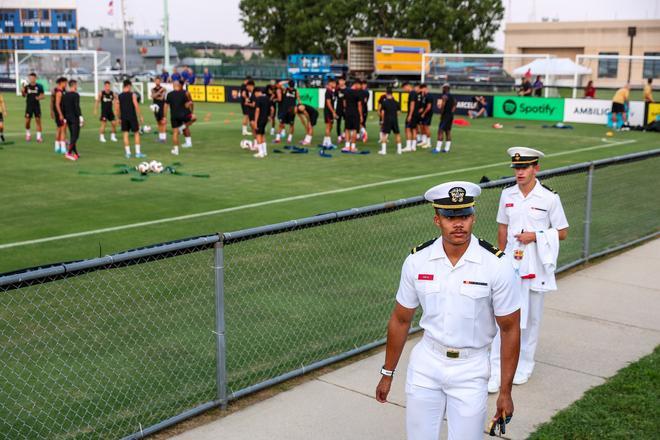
[
  {"x": 464, "y": 287},
  {"x": 531, "y": 222}
]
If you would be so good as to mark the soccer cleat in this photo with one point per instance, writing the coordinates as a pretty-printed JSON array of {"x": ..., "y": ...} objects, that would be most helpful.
[
  {"x": 187, "y": 145},
  {"x": 426, "y": 145},
  {"x": 407, "y": 150},
  {"x": 435, "y": 151},
  {"x": 140, "y": 155},
  {"x": 102, "y": 139},
  {"x": 70, "y": 157},
  {"x": 353, "y": 150},
  {"x": 305, "y": 143},
  {"x": 382, "y": 152},
  {"x": 259, "y": 155},
  {"x": 76, "y": 155},
  {"x": 127, "y": 155},
  {"x": 346, "y": 149},
  {"x": 113, "y": 139},
  {"x": 272, "y": 132},
  {"x": 39, "y": 140},
  {"x": 277, "y": 141},
  {"x": 175, "y": 151}
]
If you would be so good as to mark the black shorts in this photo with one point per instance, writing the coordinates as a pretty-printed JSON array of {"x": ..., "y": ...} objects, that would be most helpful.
[
  {"x": 33, "y": 111},
  {"x": 244, "y": 109},
  {"x": 107, "y": 116},
  {"x": 426, "y": 120},
  {"x": 390, "y": 126},
  {"x": 313, "y": 119},
  {"x": 261, "y": 126},
  {"x": 178, "y": 121},
  {"x": 273, "y": 109},
  {"x": 287, "y": 118},
  {"x": 445, "y": 123},
  {"x": 327, "y": 116},
  {"x": 618, "y": 108},
  {"x": 414, "y": 121},
  {"x": 365, "y": 115},
  {"x": 352, "y": 121},
  {"x": 2, "y": 117},
  {"x": 130, "y": 125}
]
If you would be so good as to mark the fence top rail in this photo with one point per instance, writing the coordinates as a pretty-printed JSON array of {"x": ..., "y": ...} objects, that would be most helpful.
[{"x": 26, "y": 276}]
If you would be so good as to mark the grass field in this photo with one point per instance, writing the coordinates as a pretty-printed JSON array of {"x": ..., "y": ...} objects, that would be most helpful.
[
  {"x": 626, "y": 406},
  {"x": 101, "y": 354},
  {"x": 45, "y": 197}
]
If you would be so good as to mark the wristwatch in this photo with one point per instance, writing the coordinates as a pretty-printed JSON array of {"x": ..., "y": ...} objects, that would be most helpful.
[{"x": 384, "y": 372}]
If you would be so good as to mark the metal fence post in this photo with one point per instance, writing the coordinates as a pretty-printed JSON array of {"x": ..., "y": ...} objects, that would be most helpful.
[
  {"x": 221, "y": 351},
  {"x": 587, "y": 213}
]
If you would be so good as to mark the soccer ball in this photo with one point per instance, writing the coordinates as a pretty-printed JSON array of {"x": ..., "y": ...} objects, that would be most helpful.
[
  {"x": 155, "y": 167},
  {"x": 24, "y": 82},
  {"x": 154, "y": 107},
  {"x": 246, "y": 144},
  {"x": 143, "y": 168},
  {"x": 146, "y": 128}
]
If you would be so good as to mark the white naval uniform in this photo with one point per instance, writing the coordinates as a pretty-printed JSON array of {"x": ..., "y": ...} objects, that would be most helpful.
[
  {"x": 539, "y": 211},
  {"x": 449, "y": 367}
]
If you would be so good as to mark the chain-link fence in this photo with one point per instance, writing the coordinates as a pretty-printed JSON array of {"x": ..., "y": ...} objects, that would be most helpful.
[{"x": 131, "y": 343}]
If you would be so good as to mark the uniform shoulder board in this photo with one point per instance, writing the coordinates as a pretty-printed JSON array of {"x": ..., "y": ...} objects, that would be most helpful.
[
  {"x": 419, "y": 247},
  {"x": 490, "y": 248},
  {"x": 549, "y": 189},
  {"x": 510, "y": 185}
]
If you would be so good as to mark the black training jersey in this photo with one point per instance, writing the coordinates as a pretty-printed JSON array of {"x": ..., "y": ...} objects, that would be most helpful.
[
  {"x": 243, "y": 93},
  {"x": 71, "y": 106},
  {"x": 340, "y": 100},
  {"x": 107, "y": 98},
  {"x": 330, "y": 95},
  {"x": 390, "y": 107},
  {"x": 365, "y": 100},
  {"x": 419, "y": 105},
  {"x": 289, "y": 98},
  {"x": 263, "y": 104},
  {"x": 32, "y": 92},
  {"x": 177, "y": 100},
  {"x": 53, "y": 99},
  {"x": 412, "y": 97},
  {"x": 158, "y": 94},
  {"x": 448, "y": 108},
  {"x": 353, "y": 98},
  {"x": 126, "y": 106}
]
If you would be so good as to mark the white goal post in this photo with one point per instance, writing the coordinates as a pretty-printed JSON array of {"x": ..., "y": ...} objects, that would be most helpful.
[
  {"x": 81, "y": 65},
  {"x": 467, "y": 63}
]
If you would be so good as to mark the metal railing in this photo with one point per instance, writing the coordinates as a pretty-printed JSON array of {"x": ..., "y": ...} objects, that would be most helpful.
[{"x": 131, "y": 343}]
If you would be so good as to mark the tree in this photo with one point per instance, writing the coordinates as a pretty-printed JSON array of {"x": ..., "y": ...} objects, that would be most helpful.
[{"x": 299, "y": 26}]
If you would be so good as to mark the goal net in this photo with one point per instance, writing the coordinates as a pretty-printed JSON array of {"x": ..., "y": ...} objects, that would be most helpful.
[
  {"x": 610, "y": 71},
  {"x": 487, "y": 73},
  {"x": 81, "y": 65}
]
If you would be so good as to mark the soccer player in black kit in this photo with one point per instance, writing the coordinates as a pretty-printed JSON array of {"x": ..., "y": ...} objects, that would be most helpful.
[
  {"x": 365, "y": 112},
  {"x": 33, "y": 93},
  {"x": 309, "y": 116},
  {"x": 447, "y": 110},
  {"x": 329, "y": 112},
  {"x": 425, "y": 115},
  {"x": 262, "y": 107},
  {"x": 353, "y": 114},
  {"x": 412, "y": 119},
  {"x": 340, "y": 104},
  {"x": 389, "y": 114},
  {"x": 74, "y": 119},
  {"x": 179, "y": 106},
  {"x": 271, "y": 93},
  {"x": 57, "y": 115},
  {"x": 128, "y": 110},
  {"x": 106, "y": 99},
  {"x": 158, "y": 93},
  {"x": 244, "y": 109},
  {"x": 287, "y": 113}
]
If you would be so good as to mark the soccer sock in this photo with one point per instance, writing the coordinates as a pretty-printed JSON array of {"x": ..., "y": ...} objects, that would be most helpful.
[
  {"x": 127, "y": 149},
  {"x": 438, "y": 145},
  {"x": 38, "y": 135},
  {"x": 137, "y": 148},
  {"x": 176, "y": 148},
  {"x": 398, "y": 147},
  {"x": 289, "y": 138},
  {"x": 282, "y": 133},
  {"x": 188, "y": 140},
  {"x": 383, "y": 146},
  {"x": 352, "y": 145},
  {"x": 57, "y": 145},
  {"x": 244, "y": 129},
  {"x": 413, "y": 144},
  {"x": 102, "y": 137},
  {"x": 308, "y": 138},
  {"x": 447, "y": 146},
  {"x": 348, "y": 144},
  {"x": 63, "y": 145},
  {"x": 27, "y": 132}
]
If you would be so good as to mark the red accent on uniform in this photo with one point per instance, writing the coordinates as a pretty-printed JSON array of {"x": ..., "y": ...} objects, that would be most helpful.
[
  {"x": 425, "y": 276},
  {"x": 530, "y": 276},
  {"x": 509, "y": 205}
]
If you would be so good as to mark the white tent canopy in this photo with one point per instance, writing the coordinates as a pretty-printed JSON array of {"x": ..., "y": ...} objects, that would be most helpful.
[{"x": 552, "y": 66}]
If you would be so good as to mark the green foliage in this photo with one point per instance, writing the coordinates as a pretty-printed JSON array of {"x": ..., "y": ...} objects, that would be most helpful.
[{"x": 300, "y": 26}]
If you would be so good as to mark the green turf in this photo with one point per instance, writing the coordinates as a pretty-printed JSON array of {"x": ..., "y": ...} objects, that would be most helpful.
[
  {"x": 46, "y": 196},
  {"x": 101, "y": 354},
  {"x": 626, "y": 406}
]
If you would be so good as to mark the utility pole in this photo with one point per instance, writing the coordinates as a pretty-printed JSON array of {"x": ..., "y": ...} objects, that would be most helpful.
[
  {"x": 166, "y": 36},
  {"x": 632, "y": 31},
  {"x": 123, "y": 37}
]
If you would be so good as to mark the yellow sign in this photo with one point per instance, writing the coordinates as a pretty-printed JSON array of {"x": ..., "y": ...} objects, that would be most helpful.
[
  {"x": 377, "y": 97},
  {"x": 215, "y": 93},
  {"x": 404, "y": 101},
  {"x": 398, "y": 55},
  {"x": 197, "y": 93},
  {"x": 652, "y": 112}
]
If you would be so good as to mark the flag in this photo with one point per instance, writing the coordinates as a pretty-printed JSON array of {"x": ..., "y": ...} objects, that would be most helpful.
[{"x": 110, "y": 9}]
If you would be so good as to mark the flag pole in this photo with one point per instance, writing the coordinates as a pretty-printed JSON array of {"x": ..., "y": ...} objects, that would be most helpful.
[{"x": 166, "y": 36}]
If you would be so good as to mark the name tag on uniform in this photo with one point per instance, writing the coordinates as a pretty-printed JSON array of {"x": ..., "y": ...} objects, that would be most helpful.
[
  {"x": 425, "y": 276},
  {"x": 475, "y": 283},
  {"x": 509, "y": 205},
  {"x": 539, "y": 209}
]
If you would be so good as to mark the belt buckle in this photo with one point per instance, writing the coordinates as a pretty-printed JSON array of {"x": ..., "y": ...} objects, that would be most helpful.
[{"x": 453, "y": 354}]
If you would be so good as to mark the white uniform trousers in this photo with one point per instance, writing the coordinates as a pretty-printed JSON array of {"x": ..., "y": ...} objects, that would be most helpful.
[
  {"x": 438, "y": 385},
  {"x": 529, "y": 338}
]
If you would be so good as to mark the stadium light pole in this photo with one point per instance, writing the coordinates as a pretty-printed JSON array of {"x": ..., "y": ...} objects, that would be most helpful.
[{"x": 166, "y": 36}]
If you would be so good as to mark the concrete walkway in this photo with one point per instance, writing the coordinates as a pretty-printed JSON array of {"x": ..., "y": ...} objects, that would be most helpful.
[{"x": 602, "y": 318}]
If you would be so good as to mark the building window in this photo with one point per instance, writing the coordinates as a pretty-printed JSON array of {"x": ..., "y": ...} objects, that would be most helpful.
[
  {"x": 53, "y": 44},
  {"x": 45, "y": 14},
  {"x": 651, "y": 67},
  {"x": 608, "y": 67}
]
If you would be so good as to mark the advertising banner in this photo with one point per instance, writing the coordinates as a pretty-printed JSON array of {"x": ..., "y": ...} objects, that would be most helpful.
[
  {"x": 399, "y": 56},
  {"x": 636, "y": 113},
  {"x": 464, "y": 103},
  {"x": 197, "y": 93},
  {"x": 587, "y": 111},
  {"x": 652, "y": 111},
  {"x": 309, "y": 97},
  {"x": 539, "y": 109},
  {"x": 232, "y": 94},
  {"x": 215, "y": 93}
]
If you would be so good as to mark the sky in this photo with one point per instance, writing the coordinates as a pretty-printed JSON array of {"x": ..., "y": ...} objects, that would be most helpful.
[{"x": 223, "y": 25}]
